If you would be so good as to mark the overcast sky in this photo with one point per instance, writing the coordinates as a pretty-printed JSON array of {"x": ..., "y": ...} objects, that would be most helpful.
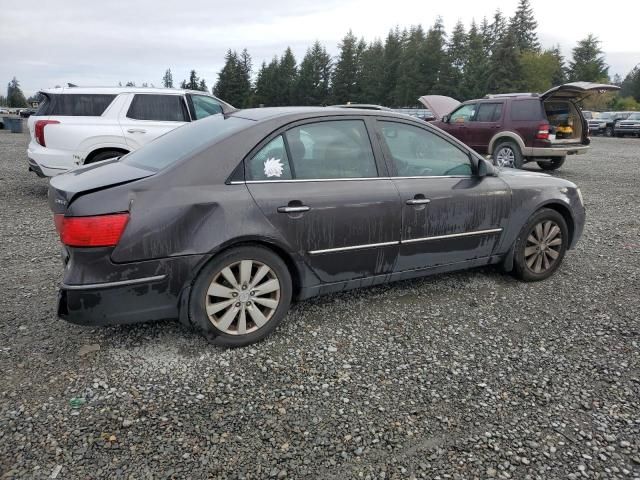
[{"x": 48, "y": 43}]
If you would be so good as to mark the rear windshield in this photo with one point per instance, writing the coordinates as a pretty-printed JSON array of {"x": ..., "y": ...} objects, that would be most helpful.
[
  {"x": 74, "y": 104},
  {"x": 181, "y": 142}
]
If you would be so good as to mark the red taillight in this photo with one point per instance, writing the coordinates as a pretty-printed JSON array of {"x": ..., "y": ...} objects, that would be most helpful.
[
  {"x": 39, "y": 130},
  {"x": 99, "y": 231},
  {"x": 543, "y": 132}
]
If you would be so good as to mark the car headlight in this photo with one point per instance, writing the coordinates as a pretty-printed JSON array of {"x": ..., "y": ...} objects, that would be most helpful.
[{"x": 580, "y": 196}]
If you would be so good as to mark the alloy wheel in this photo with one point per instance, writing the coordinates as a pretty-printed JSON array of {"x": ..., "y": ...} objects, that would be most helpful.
[
  {"x": 543, "y": 245},
  {"x": 505, "y": 157},
  {"x": 242, "y": 297}
]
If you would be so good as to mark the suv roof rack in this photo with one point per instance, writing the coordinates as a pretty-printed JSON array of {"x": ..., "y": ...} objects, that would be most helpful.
[{"x": 503, "y": 95}]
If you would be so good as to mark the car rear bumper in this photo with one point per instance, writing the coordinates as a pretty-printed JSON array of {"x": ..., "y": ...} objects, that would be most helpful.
[
  {"x": 555, "y": 151},
  {"x": 96, "y": 291},
  {"x": 114, "y": 303},
  {"x": 50, "y": 162}
]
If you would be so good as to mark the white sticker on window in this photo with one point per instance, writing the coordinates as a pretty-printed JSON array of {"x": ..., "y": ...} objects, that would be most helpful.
[{"x": 273, "y": 167}]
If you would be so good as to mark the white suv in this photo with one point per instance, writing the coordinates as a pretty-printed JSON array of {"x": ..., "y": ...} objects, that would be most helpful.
[{"x": 77, "y": 125}]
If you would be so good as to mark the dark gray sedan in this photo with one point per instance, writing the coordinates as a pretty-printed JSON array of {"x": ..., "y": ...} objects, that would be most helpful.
[{"x": 223, "y": 222}]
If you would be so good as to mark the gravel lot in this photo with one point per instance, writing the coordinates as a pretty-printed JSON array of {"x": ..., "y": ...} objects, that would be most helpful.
[{"x": 469, "y": 375}]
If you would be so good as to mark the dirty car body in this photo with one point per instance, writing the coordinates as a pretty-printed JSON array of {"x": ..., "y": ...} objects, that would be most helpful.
[{"x": 197, "y": 192}]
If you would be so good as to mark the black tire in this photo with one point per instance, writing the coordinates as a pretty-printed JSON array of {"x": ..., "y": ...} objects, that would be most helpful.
[
  {"x": 608, "y": 132},
  {"x": 524, "y": 267},
  {"x": 554, "y": 164},
  {"x": 107, "y": 154},
  {"x": 507, "y": 145},
  {"x": 213, "y": 271}
]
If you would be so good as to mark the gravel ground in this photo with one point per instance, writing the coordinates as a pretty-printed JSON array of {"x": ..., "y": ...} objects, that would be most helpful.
[{"x": 468, "y": 375}]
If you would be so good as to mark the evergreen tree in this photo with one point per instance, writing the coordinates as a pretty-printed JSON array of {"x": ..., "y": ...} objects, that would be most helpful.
[
  {"x": 631, "y": 84},
  {"x": 373, "y": 74},
  {"x": 497, "y": 31},
  {"x": 559, "y": 75},
  {"x": 452, "y": 70},
  {"x": 15, "y": 97},
  {"x": 434, "y": 57},
  {"x": 193, "y": 83},
  {"x": 411, "y": 69},
  {"x": 474, "y": 82},
  {"x": 202, "y": 86},
  {"x": 524, "y": 27},
  {"x": 183, "y": 85},
  {"x": 345, "y": 79},
  {"x": 234, "y": 83},
  {"x": 588, "y": 63},
  {"x": 391, "y": 60},
  {"x": 167, "y": 80},
  {"x": 541, "y": 71},
  {"x": 314, "y": 76},
  {"x": 286, "y": 79},
  {"x": 505, "y": 69},
  {"x": 266, "y": 80},
  {"x": 130, "y": 84}
]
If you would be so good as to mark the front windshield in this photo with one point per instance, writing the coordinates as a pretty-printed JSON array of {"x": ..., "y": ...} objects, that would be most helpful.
[
  {"x": 605, "y": 115},
  {"x": 634, "y": 116},
  {"x": 178, "y": 143}
]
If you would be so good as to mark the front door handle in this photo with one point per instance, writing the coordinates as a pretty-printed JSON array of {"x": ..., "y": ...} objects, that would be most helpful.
[
  {"x": 136, "y": 130},
  {"x": 418, "y": 201},
  {"x": 297, "y": 209}
]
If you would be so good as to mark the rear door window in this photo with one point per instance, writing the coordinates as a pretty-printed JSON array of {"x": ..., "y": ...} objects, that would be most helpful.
[
  {"x": 163, "y": 108},
  {"x": 331, "y": 149},
  {"x": 526, "y": 109},
  {"x": 75, "y": 105},
  {"x": 489, "y": 112}
]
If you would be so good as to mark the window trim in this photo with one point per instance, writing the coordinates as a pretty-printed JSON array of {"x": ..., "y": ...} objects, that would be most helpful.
[
  {"x": 379, "y": 162},
  {"x": 391, "y": 166},
  {"x": 185, "y": 108}
]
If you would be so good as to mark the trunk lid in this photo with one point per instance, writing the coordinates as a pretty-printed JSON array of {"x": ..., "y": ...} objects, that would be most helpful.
[
  {"x": 65, "y": 188},
  {"x": 577, "y": 90},
  {"x": 439, "y": 105}
]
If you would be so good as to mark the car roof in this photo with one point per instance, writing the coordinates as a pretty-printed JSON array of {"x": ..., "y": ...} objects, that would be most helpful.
[
  {"x": 265, "y": 113},
  {"x": 117, "y": 90}
]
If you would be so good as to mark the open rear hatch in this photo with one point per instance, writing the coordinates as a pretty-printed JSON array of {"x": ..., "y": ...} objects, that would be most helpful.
[
  {"x": 439, "y": 105},
  {"x": 64, "y": 189},
  {"x": 577, "y": 91}
]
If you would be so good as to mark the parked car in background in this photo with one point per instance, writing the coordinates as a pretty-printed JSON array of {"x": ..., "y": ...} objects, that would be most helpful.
[
  {"x": 629, "y": 126},
  {"x": 604, "y": 123},
  {"x": 520, "y": 127},
  {"x": 76, "y": 125},
  {"x": 27, "y": 112},
  {"x": 223, "y": 222},
  {"x": 421, "y": 113}
]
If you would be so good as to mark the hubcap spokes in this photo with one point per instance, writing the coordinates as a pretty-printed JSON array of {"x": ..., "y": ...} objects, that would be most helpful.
[
  {"x": 505, "y": 157},
  {"x": 543, "y": 245},
  {"x": 243, "y": 297}
]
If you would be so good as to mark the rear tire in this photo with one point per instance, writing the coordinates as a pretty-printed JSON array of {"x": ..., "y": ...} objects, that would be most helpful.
[
  {"x": 240, "y": 296},
  {"x": 554, "y": 164},
  {"x": 507, "y": 155},
  {"x": 608, "y": 132},
  {"x": 540, "y": 246},
  {"x": 107, "y": 154}
]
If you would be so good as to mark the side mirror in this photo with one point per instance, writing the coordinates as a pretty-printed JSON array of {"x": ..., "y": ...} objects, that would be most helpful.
[
  {"x": 485, "y": 168},
  {"x": 445, "y": 119}
]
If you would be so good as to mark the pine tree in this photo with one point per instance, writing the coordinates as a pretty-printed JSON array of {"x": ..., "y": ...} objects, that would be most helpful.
[
  {"x": 412, "y": 66},
  {"x": 372, "y": 77},
  {"x": 452, "y": 70},
  {"x": 202, "y": 86},
  {"x": 193, "y": 83},
  {"x": 392, "y": 57},
  {"x": 559, "y": 75},
  {"x": 15, "y": 97},
  {"x": 631, "y": 84},
  {"x": 474, "y": 82},
  {"x": 234, "y": 85},
  {"x": 167, "y": 80},
  {"x": 286, "y": 79},
  {"x": 497, "y": 31},
  {"x": 524, "y": 26},
  {"x": 314, "y": 76},
  {"x": 266, "y": 80},
  {"x": 434, "y": 57},
  {"x": 505, "y": 70},
  {"x": 588, "y": 63},
  {"x": 345, "y": 79}
]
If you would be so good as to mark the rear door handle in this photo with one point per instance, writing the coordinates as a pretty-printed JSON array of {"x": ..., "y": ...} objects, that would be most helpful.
[
  {"x": 418, "y": 201},
  {"x": 301, "y": 208},
  {"x": 136, "y": 130}
]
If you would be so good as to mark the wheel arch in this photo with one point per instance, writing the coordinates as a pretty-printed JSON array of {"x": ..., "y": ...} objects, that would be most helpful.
[
  {"x": 506, "y": 135},
  {"x": 89, "y": 158},
  {"x": 565, "y": 211}
]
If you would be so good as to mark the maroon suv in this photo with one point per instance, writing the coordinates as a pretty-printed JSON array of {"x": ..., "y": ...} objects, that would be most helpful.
[{"x": 516, "y": 128}]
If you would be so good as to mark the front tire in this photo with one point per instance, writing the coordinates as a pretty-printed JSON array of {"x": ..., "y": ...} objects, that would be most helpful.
[
  {"x": 507, "y": 155},
  {"x": 608, "y": 132},
  {"x": 554, "y": 164},
  {"x": 240, "y": 296},
  {"x": 541, "y": 246}
]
